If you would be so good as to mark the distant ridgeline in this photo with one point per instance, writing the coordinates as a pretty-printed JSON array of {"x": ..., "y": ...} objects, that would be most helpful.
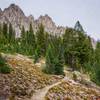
[{"x": 15, "y": 16}]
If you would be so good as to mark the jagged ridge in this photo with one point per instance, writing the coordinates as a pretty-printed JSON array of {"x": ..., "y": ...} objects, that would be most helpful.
[{"x": 14, "y": 15}]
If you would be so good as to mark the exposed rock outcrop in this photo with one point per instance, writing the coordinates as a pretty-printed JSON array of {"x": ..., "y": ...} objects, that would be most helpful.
[
  {"x": 24, "y": 80},
  {"x": 14, "y": 15}
]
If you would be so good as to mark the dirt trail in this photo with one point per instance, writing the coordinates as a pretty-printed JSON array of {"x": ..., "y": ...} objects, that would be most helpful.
[{"x": 40, "y": 94}]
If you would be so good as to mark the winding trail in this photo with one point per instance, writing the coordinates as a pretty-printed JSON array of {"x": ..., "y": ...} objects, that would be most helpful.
[{"x": 40, "y": 94}]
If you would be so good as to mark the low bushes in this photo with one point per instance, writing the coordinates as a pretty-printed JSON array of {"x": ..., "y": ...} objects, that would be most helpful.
[{"x": 4, "y": 68}]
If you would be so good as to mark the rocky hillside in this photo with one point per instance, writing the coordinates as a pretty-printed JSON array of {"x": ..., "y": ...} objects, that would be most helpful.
[
  {"x": 69, "y": 90},
  {"x": 27, "y": 82},
  {"x": 14, "y": 15},
  {"x": 24, "y": 80}
]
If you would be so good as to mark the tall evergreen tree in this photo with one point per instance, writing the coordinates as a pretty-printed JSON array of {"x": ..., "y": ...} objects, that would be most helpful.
[
  {"x": 54, "y": 58},
  {"x": 0, "y": 29},
  {"x": 97, "y": 52},
  {"x": 70, "y": 40},
  {"x": 31, "y": 37},
  {"x": 78, "y": 48},
  {"x": 37, "y": 54},
  {"x": 60, "y": 58},
  {"x": 11, "y": 33},
  {"x": 23, "y": 32},
  {"x": 1, "y": 33},
  {"x": 40, "y": 39},
  {"x": 50, "y": 66},
  {"x": 96, "y": 67},
  {"x": 5, "y": 30},
  {"x": 31, "y": 40}
]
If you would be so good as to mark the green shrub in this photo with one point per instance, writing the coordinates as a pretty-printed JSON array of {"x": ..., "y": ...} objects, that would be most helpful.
[
  {"x": 74, "y": 76},
  {"x": 4, "y": 68},
  {"x": 95, "y": 77},
  {"x": 2, "y": 61}
]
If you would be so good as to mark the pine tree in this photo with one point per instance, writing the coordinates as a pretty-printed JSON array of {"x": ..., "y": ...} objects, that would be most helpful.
[
  {"x": 23, "y": 32},
  {"x": 95, "y": 76},
  {"x": 69, "y": 41},
  {"x": 54, "y": 58},
  {"x": 40, "y": 39},
  {"x": 29, "y": 41},
  {"x": 84, "y": 51},
  {"x": 97, "y": 53},
  {"x": 78, "y": 48},
  {"x": 31, "y": 37},
  {"x": 5, "y": 30},
  {"x": 59, "y": 59},
  {"x": 1, "y": 33},
  {"x": 50, "y": 59},
  {"x": 22, "y": 41},
  {"x": 36, "y": 54},
  {"x": 1, "y": 36},
  {"x": 11, "y": 33}
]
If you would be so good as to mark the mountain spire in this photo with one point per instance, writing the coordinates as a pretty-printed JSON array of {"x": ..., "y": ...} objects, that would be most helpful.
[{"x": 78, "y": 27}]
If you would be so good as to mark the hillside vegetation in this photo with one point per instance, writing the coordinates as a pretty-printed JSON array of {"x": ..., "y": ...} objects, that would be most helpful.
[
  {"x": 24, "y": 79},
  {"x": 72, "y": 91}
]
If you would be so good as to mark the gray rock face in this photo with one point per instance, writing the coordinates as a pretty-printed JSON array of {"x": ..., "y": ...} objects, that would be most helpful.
[
  {"x": 14, "y": 15},
  {"x": 49, "y": 25}
]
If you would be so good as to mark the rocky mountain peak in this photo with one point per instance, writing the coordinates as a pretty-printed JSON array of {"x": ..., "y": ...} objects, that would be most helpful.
[
  {"x": 0, "y": 10},
  {"x": 46, "y": 17},
  {"x": 47, "y": 23},
  {"x": 13, "y": 10},
  {"x": 31, "y": 18},
  {"x": 78, "y": 27},
  {"x": 45, "y": 20},
  {"x": 14, "y": 15},
  {"x": 13, "y": 6}
]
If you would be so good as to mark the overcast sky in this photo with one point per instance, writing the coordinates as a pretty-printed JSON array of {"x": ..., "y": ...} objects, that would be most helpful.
[{"x": 64, "y": 12}]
